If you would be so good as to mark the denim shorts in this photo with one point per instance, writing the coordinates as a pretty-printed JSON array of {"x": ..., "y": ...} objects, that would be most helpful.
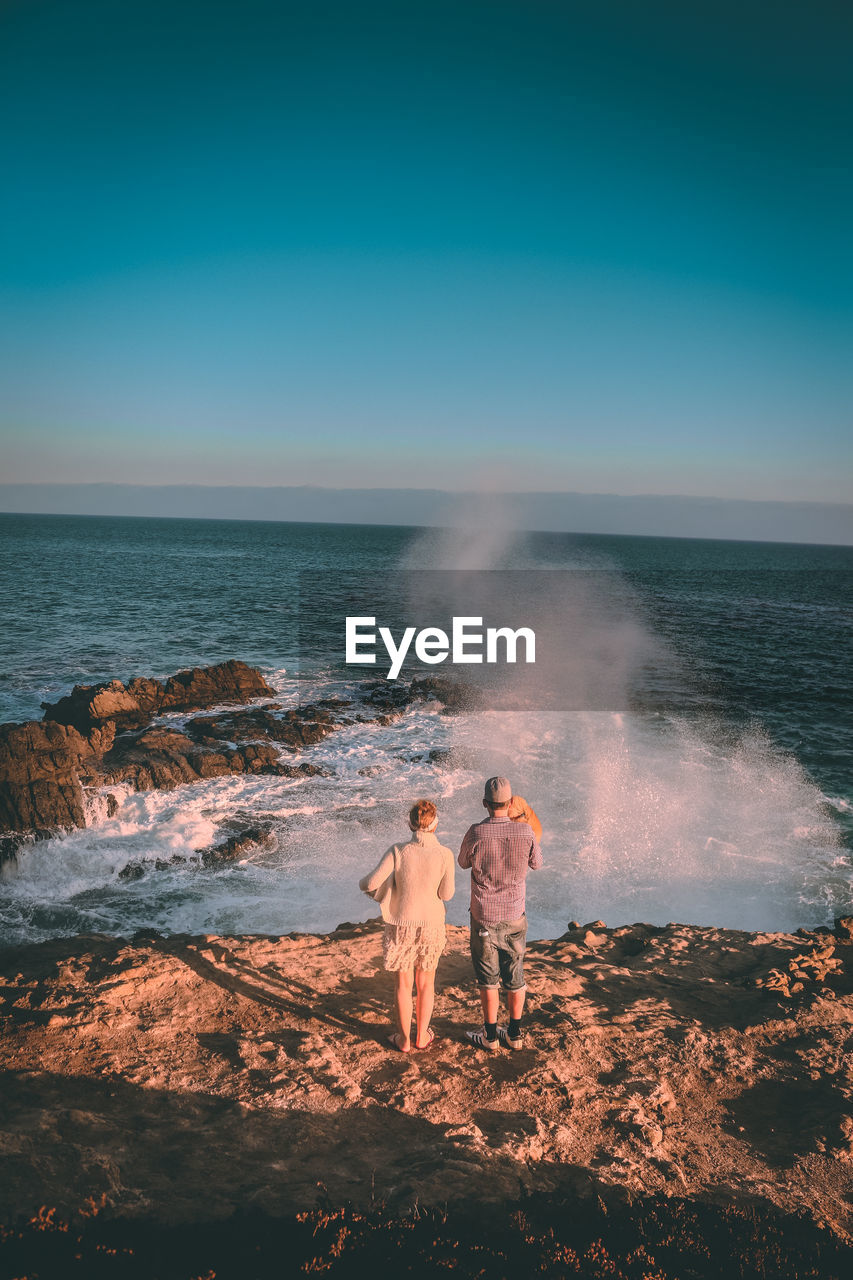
[{"x": 497, "y": 952}]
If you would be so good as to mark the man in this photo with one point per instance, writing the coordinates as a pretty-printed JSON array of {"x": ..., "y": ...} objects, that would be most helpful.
[{"x": 500, "y": 852}]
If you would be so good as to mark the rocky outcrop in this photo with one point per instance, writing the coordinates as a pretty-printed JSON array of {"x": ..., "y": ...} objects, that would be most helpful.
[
  {"x": 45, "y": 765},
  {"x": 89, "y": 705},
  {"x": 165, "y": 758},
  {"x": 40, "y": 768},
  {"x": 191, "y": 1077},
  {"x": 228, "y": 850},
  {"x": 103, "y": 734},
  {"x": 455, "y": 695},
  {"x": 300, "y": 727},
  {"x": 242, "y": 842},
  {"x": 135, "y": 704},
  {"x": 99, "y": 735}
]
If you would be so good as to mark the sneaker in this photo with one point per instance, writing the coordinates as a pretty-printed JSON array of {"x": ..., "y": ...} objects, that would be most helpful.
[
  {"x": 478, "y": 1038},
  {"x": 504, "y": 1037}
]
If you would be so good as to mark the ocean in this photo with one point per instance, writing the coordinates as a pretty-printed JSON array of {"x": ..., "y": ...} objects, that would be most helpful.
[{"x": 710, "y": 783}]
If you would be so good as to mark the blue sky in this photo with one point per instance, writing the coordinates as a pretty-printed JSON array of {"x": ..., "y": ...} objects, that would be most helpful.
[{"x": 537, "y": 245}]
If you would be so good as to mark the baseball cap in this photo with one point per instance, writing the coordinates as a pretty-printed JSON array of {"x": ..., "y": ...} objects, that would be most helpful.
[{"x": 497, "y": 791}]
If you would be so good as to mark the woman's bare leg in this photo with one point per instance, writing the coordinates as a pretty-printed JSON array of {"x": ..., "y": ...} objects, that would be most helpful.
[
  {"x": 425, "y": 988},
  {"x": 403, "y": 1008}
]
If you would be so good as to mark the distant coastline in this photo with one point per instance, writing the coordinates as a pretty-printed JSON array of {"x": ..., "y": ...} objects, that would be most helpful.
[{"x": 639, "y": 515}]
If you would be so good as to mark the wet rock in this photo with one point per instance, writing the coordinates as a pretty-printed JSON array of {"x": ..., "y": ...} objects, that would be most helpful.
[
  {"x": 136, "y": 870},
  {"x": 8, "y": 849},
  {"x": 388, "y": 695},
  {"x": 304, "y": 770},
  {"x": 39, "y": 782},
  {"x": 102, "y": 734},
  {"x": 453, "y": 694},
  {"x": 237, "y": 846},
  {"x": 132, "y": 871},
  {"x": 164, "y": 758},
  {"x": 206, "y": 686},
  {"x": 298, "y": 727},
  {"x": 88, "y": 706},
  {"x": 44, "y": 765}
]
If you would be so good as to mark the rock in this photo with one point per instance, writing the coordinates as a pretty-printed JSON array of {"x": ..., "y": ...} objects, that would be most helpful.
[
  {"x": 207, "y": 686},
  {"x": 304, "y": 770},
  {"x": 236, "y": 846},
  {"x": 132, "y": 871},
  {"x": 88, "y": 706},
  {"x": 8, "y": 849},
  {"x": 44, "y": 765},
  {"x": 844, "y": 928},
  {"x": 39, "y": 776},
  {"x": 807, "y": 966},
  {"x": 298, "y": 727},
  {"x": 164, "y": 758},
  {"x": 102, "y": 734},
  {"x": 148, "y": 694},
  {"x": 134, "y": 705},
  {"x": 453, "y": 694},
  {"x": 136, "y": 870},
  {"x": 844, "y": 1151},
  {"x": 816, "y": 964},
  {"x": 390, "y": 696}
]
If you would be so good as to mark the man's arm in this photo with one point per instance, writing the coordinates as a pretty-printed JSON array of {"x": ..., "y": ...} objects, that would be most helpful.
[
  {"x": 534, "y": 858},
  {"x": 466, "y": 853}
]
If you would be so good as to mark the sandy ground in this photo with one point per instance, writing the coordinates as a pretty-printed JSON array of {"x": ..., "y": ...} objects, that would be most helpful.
[{"x": 184, "y": 1077}]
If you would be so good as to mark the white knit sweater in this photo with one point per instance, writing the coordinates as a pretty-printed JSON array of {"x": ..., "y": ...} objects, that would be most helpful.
[{"x": 413, "y": 881}]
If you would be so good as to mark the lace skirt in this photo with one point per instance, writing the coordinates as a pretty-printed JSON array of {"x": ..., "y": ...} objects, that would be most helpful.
[{"x": 412, "y": 946}]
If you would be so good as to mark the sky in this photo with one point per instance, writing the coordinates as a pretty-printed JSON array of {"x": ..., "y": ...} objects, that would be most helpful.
[{"x": 547, "y": 246}]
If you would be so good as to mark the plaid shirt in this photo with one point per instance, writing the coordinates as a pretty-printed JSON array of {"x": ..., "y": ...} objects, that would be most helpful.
[{"x": 499, "y": 852}]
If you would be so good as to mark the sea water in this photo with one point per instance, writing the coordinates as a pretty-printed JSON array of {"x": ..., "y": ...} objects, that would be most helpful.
[{"x": 714, "y": 787}]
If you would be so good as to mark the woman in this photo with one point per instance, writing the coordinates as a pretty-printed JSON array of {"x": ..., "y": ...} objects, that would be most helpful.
[
  {"x": 411, "y": 884},
  {"x": 520, "y": 811}
]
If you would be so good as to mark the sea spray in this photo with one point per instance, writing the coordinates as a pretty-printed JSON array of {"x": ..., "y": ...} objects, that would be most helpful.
[
  {"x": 659, "y": 802},
  {"x": 648, "y": 815}
]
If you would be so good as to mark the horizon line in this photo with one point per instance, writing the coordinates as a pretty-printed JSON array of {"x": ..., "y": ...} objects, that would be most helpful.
[
  {"x": 405, "y": 489},
  {"x": 798, "y": 523},
  {"x": 382, "y": 524}
]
